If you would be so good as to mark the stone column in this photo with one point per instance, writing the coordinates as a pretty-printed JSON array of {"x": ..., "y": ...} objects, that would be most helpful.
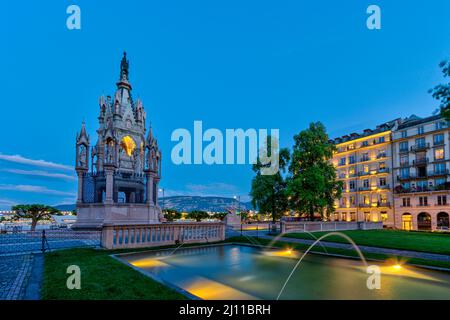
[
  {"x": 80, "y": 173},
  {"x": 156, "y": 179},
  {"x": 109, "y": 170},
  {"x": 149, "y": 187}
]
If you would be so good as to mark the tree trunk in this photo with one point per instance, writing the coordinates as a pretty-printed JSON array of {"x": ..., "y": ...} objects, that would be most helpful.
[
  {"x": 33, "y": 224},
  {"x": 311, "y": 213}
]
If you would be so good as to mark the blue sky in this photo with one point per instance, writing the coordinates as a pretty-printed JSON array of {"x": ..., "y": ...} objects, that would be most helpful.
[{"x": 231, "y": 64}]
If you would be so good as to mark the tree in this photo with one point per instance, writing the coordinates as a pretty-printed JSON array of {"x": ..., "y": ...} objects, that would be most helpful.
[
  {"x": 268, "y": 192},
  {"x": 441, "y": 92},
  {"x": 220, "y": 215},
  {"x": 171, "y": 214},
  {"x": 313, "y": 187},
  {"x": 35, "y": 212},
  {"x": 198, "y": 215}
]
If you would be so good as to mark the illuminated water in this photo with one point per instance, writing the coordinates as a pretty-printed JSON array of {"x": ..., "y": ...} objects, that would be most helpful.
[{"x": 243, "y": 272}]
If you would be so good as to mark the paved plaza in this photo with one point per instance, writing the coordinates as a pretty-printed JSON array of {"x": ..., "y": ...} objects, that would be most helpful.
[{"x": 15, "y": 271}]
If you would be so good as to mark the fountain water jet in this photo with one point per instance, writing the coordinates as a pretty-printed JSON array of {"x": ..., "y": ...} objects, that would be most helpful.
[{"x": 312, "y": 245}]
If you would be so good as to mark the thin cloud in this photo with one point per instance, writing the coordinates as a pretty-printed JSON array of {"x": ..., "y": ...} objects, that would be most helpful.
[
  {"x": 39, "y": 173},
  {"x": 34, "y": 189},
  {"x": 38, "y": 163}
]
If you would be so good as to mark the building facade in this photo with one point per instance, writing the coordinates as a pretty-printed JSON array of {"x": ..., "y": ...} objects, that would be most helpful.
[
  {"x": 364, "y": 164},
  {"x": 421, "y": 172},
  {"x": 397, "y": 173},
  {"x": 118, "y": 177}
]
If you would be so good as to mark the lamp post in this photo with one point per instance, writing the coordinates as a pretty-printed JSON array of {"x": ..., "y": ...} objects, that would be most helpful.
[
  {"x": 238, "y": 198},
  {"x": 163, "y": 199}
]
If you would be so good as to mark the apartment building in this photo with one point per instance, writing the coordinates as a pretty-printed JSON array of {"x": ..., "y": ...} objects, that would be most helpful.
[
  {"x": 364, "y": 164},
  {"x": 421, "y": 172}
]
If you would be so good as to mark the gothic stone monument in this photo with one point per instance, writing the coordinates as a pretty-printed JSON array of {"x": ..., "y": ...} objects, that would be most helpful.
[{"x": 118, "y": 177}]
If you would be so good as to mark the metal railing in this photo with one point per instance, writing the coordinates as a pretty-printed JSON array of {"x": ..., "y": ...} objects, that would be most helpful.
[{"x": 12, "y": 242}]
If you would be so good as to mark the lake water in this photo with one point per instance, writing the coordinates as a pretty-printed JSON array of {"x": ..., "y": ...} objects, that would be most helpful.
[{"x": 244, "y": 272}]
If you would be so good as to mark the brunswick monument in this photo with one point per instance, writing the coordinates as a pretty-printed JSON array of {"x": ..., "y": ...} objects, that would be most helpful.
[{"x": 118, "y": 177}]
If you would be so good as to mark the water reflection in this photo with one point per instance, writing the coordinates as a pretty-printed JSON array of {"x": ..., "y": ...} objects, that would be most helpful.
[{"x": 243, "y": 272}]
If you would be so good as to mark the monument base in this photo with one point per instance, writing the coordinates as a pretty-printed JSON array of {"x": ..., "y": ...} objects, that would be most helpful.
[
  {"x": 233, "y": 220},
  {"x": 96, "y": 215}
]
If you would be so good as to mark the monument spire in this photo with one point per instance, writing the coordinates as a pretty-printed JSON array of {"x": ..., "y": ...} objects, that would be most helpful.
[{"x": 124, "y": 72}]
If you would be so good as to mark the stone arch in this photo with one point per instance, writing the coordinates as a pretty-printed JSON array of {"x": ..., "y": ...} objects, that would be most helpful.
[
  {"x": 424, "y": 221},
  {"x": 407, "y": 221},
  {"x": 442, "y": 220}
]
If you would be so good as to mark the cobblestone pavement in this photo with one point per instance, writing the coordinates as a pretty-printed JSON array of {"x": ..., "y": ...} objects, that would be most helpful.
[{"x": 15, "y": 271}]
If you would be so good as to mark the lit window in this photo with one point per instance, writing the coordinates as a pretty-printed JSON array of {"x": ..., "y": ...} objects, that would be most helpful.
[{"x": 439, "y": 154}]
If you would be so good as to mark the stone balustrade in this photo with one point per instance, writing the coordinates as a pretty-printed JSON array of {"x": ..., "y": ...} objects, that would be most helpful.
[
  {"x": 161, "y": 234},
  {"x": 310, "y": 226}
]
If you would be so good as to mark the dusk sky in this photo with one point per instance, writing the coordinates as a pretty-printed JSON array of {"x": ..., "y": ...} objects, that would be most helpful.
[{"x": 231, "y": 64}]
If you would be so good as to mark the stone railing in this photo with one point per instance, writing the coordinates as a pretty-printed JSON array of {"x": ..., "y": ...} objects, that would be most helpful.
[
  {"x": 163, "y": 234},
  {"x": 309, "y": 226}
]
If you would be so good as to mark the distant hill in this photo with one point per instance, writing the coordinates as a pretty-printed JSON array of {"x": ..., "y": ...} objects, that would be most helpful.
[
  {"x": 188, "y": 203},
  {"x": 65, "y": 207},
  {"x": 212, "y": 204}
]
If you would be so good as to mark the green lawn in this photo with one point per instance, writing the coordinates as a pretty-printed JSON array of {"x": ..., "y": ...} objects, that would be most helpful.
[
  {"x": 393, "y": 239},
  {"x": 102, "y": 277}
]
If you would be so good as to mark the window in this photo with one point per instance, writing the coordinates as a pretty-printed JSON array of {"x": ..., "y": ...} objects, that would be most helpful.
[
  {"x": 351, "y": 147},
  {"x": 365, "y": 144},
  {"x": 438, "y": 139},
  {"x": 342, "y": 161},
  {"x": 352, "y": 200},
  {"x": 367, "y": 216},
  {"x": 352, "y": 185},
  {"x": 381, "y": 154},
  {"x": 404, "y": 172},
  {"x": 406, "y": 202},
  {"x": 352, "y": 216},
  {"x": 406, "y": 185},
  {"x": 439, "y": 154},
  {"x": 439, "y": 168},
  {"x": 382, "y": 182},
  {"x": 404, "y": 134},
  {"x": 384, "y": 216},
  {"x": 404, "y": 160},
  {"x": 420, "y": 142},
  {"x": 403, "y": 146},
  {"x": 381, "y": 139},
  {"x": 422, "y": 184},
  {"x": 351, "y": 159},
  {"x": 365, "y": 157},
  {"x": 420, "y": 130},
  {"x": 336, "y": 216},
  {"x": 351, "y": 172},
  {"x": 440, "y": 125},
  {"x": 442, "y": 200},
  {"x": 366, "y": 200},
  {"x": 366, "y": 183},
  {"x": 365, "y": 168},
  {"x": 423, "y": 201},
  {"x": 344, "y": 201},
  {"x": 382, "y": 166},
  {"x": 439, "y": 182}
]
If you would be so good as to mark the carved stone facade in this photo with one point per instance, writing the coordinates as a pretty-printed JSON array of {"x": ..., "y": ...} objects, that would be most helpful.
[{"x": 118, "y": 177}]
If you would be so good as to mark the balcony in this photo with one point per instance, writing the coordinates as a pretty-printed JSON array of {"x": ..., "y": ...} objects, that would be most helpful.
[
  {"x": 419, "y": 162},
  {"x": 420, "y": 147},
  {"x": 375, "y": 205},
  {"x": 403, "y": 149},
  {"x": 373, "y": 172},
  {"x": 443, "y": 187}
]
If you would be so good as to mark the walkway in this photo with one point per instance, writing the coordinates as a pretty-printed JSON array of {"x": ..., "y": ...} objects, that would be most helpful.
[
  {"x": 15, "y": 270},
  {"x": 396, "y": 252}
]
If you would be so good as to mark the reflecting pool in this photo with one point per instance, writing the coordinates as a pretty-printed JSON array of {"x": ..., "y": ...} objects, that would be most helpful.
[{"x": 245, "y": 272}]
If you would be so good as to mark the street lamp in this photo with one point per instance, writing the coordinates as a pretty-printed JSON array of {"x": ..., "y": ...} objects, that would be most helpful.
[
  {"x": 238, "y": 198},
  {"x": 162, "y": 190}
]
